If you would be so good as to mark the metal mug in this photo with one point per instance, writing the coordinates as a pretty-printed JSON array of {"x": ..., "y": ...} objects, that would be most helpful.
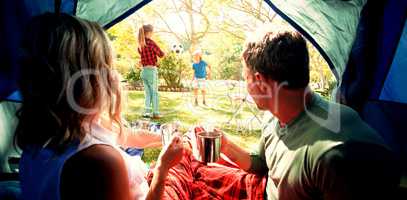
[{"x": 208, "y": 146}]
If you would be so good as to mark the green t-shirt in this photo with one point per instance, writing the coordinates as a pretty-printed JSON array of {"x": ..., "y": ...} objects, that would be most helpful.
[{"x": 321, "y": 154}]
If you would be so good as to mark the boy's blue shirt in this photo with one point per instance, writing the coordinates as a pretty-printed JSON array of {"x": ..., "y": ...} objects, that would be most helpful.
[{"x": 200, "y": 69}]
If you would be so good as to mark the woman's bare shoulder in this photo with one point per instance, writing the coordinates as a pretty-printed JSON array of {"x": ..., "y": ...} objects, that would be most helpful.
[{"x": 95, "y": 172}]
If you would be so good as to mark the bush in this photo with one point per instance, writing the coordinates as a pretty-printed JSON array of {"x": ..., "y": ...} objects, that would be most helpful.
[
  {"x": 134, "y": 76},
  {"x": 172, "y": 68},
  {"x": 231, "y": 64}
]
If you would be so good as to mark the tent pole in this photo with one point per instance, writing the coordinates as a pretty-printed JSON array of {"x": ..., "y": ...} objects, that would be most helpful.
[{"x": 57, "y": 6}]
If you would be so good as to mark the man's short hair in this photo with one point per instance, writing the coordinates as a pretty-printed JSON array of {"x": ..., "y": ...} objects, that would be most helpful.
[{"x": 281, "y": 56}]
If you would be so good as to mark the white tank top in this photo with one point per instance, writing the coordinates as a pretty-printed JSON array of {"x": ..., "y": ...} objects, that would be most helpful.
[{"x": 136, "y": 168}]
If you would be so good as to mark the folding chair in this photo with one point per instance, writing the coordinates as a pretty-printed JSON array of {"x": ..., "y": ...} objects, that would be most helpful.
[{"x": 243, "y": 100}]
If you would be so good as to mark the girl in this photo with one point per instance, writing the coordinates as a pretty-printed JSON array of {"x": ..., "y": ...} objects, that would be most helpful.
[
  {"x": 70, "y": 127},
  {"x": 149, "y": 51},
  {"x": 200, "y": 75}
]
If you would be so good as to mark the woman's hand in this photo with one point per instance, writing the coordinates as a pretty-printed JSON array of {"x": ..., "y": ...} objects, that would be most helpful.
[
  {"x": 171, "y": 154},
  {"x": 169, "y": 157}
]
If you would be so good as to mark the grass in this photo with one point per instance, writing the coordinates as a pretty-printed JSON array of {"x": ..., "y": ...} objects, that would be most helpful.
[{"x": 243, "y": 128}]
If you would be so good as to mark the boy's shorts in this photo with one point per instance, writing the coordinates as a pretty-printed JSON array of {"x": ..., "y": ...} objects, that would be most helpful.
[{"x": 199, "y": 83}]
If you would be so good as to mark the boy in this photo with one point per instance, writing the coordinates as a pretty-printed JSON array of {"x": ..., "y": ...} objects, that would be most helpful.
[{"x": 200, "y": 75}]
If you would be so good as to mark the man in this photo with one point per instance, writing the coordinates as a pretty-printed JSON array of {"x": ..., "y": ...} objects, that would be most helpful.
[{"x": 310, "y": 148}]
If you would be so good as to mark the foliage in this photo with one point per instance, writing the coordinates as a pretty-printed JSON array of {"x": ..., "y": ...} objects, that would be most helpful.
[
  {"x": 171, "y": 69},
  {"x": 321, "y": 77},
  {"x": 231, "y": 65},
  {"x": 134, "y": 76},
  {"x": 124, "y": 43}
]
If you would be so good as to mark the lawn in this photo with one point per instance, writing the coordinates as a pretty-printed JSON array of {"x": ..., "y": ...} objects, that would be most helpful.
[{"x": 224, "y": 108}]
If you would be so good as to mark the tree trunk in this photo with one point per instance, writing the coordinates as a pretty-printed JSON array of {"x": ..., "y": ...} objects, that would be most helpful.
[{"x": 192, "y": 26}]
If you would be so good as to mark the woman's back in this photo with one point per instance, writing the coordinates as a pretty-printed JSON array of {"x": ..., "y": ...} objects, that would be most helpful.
[{"x": 41, "y": 169}]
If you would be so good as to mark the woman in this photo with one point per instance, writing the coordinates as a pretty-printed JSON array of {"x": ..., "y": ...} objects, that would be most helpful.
[{"x": 70, "y": 123}]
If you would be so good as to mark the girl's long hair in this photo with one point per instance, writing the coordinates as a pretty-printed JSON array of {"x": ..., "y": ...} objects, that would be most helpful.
[
  {"x": 143, "y": 30},
  {"x": 66, "y": 81}
]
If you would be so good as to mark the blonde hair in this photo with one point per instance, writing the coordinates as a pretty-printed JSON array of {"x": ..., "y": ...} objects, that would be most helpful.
[
  {"x": 143, "y": 30},
  {"x": 57, "y": 48}
]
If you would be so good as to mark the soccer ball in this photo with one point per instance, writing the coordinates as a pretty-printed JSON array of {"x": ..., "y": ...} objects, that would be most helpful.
[{"x": 177, "y": 48}]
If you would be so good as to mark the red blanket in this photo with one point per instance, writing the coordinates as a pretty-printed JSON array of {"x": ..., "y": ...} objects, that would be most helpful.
[{"x": 193, "y": 180}]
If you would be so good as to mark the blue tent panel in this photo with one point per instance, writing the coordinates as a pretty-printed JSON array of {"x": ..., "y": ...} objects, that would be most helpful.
[
  {"x": 36, "y": 7},
  {"x": 15, "y": 96},
  {"x": 393, "y": 20},
  {"x": 394, "y": 86},
  {"x": 14, "y": 16}
]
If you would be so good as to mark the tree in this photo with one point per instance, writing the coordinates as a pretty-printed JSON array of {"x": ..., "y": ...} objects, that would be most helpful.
[
  {"x": 124, "y": 44},
  {"x": 193, "y": 16}
]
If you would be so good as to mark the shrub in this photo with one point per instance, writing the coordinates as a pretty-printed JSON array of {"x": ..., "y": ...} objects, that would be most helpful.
[
  {"x": 171, "y": 69},
  {"x": 231, "y": 64},
  {"x": 134, "y": 76}
]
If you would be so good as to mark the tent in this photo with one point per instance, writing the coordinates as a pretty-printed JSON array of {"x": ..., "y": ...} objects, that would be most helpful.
[{"x": 363, "y": 41}]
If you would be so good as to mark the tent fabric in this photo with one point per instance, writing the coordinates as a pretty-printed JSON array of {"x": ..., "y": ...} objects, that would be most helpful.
[
  {"x": 388, "y": 119},
  {"x": 374, "y": 79},
  {"x": 106, "y": 11},
  {"x": 371, "y": 47},
  {"x": 14, "y": 16},
  {"x": 12, "y": 20},
  {"x": 8, "y": 124},
  {"x": 392, "y": 23},
  {"x": 329, "y": 25},
  {"x": 36, "y": 7},
  {"x": 394, "y": 86},
  {"x": 15, "y": 96}
]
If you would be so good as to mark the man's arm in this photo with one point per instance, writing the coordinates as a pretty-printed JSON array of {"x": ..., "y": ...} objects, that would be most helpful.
[
  {"x": 251, "y": 162},
  {"x": 236, "y": 154}
]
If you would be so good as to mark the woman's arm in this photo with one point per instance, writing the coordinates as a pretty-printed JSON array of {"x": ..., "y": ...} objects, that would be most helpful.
[
  {"x": 141, "y": 139},
  {"x": 169, "y": 156}
]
